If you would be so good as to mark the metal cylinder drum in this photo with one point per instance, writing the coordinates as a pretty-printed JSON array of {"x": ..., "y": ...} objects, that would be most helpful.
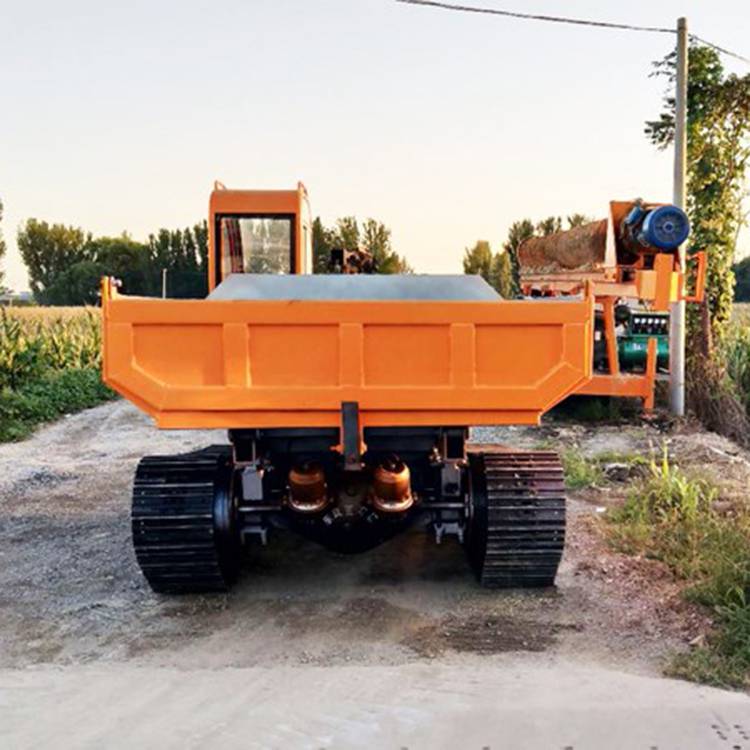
[
  {"x": 391, "y": 486},
  {"x": 308, "y": 491}
]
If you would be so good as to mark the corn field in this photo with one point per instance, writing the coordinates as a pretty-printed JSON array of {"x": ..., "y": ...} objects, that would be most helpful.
[
  {"x": 36, "y": 341},
  {"x": 737, "y": 355},
  {"x": 741, "y": 313}
]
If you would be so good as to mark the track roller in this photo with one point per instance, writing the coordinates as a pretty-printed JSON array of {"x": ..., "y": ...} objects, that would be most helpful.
[
  {"x": 516, "y": 526},
  {"x": 184, "y": 521}
]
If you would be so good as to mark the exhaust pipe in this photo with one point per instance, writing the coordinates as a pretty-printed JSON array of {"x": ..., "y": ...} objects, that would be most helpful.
[{"x": 391, "y": 486}]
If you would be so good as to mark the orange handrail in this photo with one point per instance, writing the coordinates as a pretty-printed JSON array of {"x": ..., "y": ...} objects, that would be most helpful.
[{"x": 701, "y": 267}]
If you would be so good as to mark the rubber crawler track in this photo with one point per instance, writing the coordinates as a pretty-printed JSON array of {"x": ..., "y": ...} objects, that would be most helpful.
[
  {"x": 517, "y": 527},
  {"x": 178, "y": 544}
]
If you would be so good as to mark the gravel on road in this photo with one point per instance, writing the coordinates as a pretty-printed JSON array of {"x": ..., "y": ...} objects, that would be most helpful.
[{"x": 71, "y": 592}]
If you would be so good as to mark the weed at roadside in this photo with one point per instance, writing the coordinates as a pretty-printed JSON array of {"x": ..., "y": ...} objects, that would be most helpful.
[
  {"x": 671, "y": 516},
  {"x": 580, "y": 472},
  {"x": 49, "y": 398},
  {"x": 591, "y": 471}
]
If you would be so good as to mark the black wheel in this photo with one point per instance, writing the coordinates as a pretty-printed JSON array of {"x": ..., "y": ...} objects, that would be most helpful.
[
  {"x": 516, "y": 520},
  {"x": 184, "y": 521}
]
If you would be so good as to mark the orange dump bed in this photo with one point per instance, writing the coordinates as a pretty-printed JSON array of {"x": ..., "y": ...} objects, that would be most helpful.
[{"x": 284, "y": 363}]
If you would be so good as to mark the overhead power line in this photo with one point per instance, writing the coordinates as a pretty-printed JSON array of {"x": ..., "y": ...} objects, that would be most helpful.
[
  {"x": 723, "y": 51},
  {"x": 536, "y": 17},
  {"x": 566, "y": 20}
]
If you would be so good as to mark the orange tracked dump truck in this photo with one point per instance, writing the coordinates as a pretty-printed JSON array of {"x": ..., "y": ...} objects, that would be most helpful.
[{"x": 347, "y": 400}]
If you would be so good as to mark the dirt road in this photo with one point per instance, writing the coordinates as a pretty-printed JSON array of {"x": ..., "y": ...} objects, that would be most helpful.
[{"x": 77, "y": 620}]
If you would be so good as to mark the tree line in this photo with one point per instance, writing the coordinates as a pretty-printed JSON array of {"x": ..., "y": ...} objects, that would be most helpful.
[{"x": 65, "y": 264}]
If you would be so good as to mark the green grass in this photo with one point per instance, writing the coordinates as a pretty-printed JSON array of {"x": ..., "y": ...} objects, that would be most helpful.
[
  {"x": 671, "y": 516},
  {"x": 48, "y": 398},
  {"x": 580, "y": 471},
  {"x": 725, "y": 660},
  {"x": 590, "y": 471}
]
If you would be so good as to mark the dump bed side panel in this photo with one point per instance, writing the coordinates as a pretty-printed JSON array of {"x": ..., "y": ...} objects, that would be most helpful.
[{"x": 232, "y": 364}]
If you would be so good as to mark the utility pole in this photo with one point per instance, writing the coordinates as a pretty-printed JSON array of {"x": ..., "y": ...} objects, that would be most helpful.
[
  {"x": 677, "y": 324},
  {"x": 164, "y": 283}
]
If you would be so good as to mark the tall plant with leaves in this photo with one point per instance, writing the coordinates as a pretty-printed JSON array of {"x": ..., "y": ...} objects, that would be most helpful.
[
  {"x": 718, "y": 134},
  {"x": 478, "y": 260}
]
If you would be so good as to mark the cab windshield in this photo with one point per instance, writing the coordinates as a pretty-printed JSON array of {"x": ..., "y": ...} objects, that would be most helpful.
[{"x": 256, "y": 244}]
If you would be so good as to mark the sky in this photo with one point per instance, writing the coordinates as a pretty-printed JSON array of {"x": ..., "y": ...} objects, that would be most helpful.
[{"x": 446, "y": 126}]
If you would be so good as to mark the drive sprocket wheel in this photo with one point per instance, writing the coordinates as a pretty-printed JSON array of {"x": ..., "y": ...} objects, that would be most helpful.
[{"x": 516, "y": 525}]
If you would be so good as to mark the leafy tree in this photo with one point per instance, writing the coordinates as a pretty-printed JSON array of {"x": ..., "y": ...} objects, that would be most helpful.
[
  {"x": 742, "y": 277},
  {"x": 200, "y": 235},
  {"x": 346, "y": 233},
  {"x": 478, "y": 260},
  {"x": 322, "y": 244},
  {"x": 77, "y": 285},
  {"x": 373, "y": 236},
  {"x": 495, "y": 268},
  {"x": 395, "y": 263},
  {"x": 548, "y": 226},
  {"x": 501, "y": 275},
  {"x": 518, "y": 232},
  {"x": 718, "y": 150},
  {"x": 2, "y": 248},
  {"x": 125, "y": 259},
  {"x": 184, "y": 256},
  {"x": 159, "y": 249},
  {"x": 578, "y": 220},
  {"x": 49, "y": 251},
  {"x": 376, "y": 240}
]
